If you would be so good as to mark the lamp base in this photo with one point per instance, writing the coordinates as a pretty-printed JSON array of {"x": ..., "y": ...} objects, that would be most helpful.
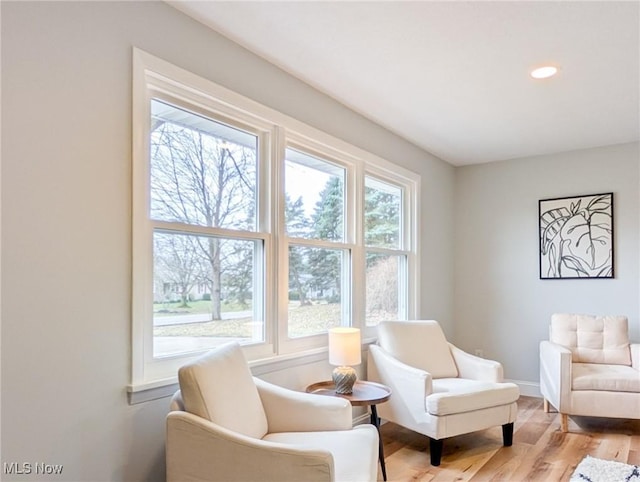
[{"x": 344, "y": 378}]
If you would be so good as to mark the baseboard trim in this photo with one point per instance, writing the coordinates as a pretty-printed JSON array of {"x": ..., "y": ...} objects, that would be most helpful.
[
  {"x": 528, "y": 389},
  {"x": 362, "y": 419}
]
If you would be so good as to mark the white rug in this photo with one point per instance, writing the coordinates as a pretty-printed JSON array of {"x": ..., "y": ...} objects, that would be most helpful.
[{"x": 598, "y": 470}]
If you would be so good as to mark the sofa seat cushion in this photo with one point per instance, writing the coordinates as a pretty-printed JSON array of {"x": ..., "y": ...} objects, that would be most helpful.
[
  {"x": 596, "y": 376},
  {"x": 458, "y": 395},
  {"x": 353, "y": 451}
]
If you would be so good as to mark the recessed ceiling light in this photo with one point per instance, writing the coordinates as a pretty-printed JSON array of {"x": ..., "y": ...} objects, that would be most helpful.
[{"x": 544, "y": 72}]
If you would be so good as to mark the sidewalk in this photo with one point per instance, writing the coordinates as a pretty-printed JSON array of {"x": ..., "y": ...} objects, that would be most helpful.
[{"x": 197, "y": 318}]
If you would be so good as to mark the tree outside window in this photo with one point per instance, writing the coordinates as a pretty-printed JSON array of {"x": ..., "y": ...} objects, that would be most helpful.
[{"x": 203, "y": 175}]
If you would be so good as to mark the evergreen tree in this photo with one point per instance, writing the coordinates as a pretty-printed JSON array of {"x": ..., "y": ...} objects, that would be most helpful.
[
  {"x": 297, "y": 226},
  {"x": 328, "y": 224},
  {"x": 381, "y": 218},
  {"x": 237, "y": 266},
  {"x": 296, "y": 221},
  {"x": 328, "y": 216}
]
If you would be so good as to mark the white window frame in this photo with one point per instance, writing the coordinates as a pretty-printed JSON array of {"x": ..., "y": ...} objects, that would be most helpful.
[
  {"x": 347, "y": 162},
  {"x": 156, "y": 78},
  {"x": 407, "y": 246}
]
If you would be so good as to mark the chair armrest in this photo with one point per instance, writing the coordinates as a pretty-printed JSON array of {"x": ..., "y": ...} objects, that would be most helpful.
[
  {"x": 291, "y": 411},
  {"x": 198, "y": 450},
  {"x": 555, "y": 375},
  {"x": 476, "y": 368},
  {"x": 408, "y": 383},
  {"x": 176, "y": 402},
  {"x": 635, "y": 355}
]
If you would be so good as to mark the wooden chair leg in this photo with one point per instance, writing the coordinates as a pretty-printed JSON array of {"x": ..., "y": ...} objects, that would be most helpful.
[
  {"x": 545, "y": 405},
  {"x": 435, "y": 449},
  {"x": 564, "y": 422},
  {"x": 507, "y": 434}
]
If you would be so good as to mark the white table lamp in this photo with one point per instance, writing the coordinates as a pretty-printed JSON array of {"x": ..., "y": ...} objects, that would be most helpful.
[{"x": 344, "y": 351}]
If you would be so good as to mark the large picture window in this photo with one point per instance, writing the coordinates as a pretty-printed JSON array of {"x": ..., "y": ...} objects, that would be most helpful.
[{"x": 253, "y": 227}]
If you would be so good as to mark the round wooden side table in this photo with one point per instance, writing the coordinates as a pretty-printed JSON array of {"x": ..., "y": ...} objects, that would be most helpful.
[{"x": 364, "y": 394}]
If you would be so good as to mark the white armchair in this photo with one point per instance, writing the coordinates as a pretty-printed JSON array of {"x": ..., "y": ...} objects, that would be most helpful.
[
  {"x": 226, "y": 425},
  {"x": 439, "y": 390},
  {"x": 589, "y": 368}
]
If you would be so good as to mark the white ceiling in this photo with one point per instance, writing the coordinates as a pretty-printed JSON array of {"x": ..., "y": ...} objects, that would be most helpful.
[{"x": 453, "y": 77}]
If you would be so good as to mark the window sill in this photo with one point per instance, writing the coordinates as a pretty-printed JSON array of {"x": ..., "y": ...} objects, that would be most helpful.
[{"x": 146, "y": 392}]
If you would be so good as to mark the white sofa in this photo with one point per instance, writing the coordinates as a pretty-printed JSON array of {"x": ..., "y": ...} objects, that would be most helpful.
[
  {"x": 227, "y": 426},
  {"x": 589, "y": 368},
  {"x": 439, "y": 390}
]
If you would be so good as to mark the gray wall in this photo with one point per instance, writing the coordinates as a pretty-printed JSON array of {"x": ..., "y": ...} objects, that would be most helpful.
[
  {"x": 502, "y": 307},
  {"x": 66, "y": 222},
  {"x": 66, "y": 230}
]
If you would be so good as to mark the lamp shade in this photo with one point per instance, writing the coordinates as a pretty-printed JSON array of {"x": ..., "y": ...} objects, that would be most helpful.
[{"x": 344, "y": 346}]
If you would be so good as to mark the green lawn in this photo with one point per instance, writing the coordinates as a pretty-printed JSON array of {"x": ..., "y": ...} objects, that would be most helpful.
[
  {"x": 194, "y": 307},
  {"x": 303, "y": 320}
]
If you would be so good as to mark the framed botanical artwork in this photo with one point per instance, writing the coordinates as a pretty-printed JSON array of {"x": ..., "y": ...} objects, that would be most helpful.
[{"x": 576, "y": 237}]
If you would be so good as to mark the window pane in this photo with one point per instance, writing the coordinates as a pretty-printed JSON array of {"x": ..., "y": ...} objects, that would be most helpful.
[
  {"x": 315, "y": 293},
  {"x": 383, "y": 206},
  {"x": 384, "y": 288},
  {"x": 314, "y": 197},
  {"x": 202, "y": 172},
  {"x": 203, "y": 293}
]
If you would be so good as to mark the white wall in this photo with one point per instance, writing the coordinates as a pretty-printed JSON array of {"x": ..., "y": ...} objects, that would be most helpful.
[
  {"x": 502, "y": 307},
  {"x": 66, "y": 222}
]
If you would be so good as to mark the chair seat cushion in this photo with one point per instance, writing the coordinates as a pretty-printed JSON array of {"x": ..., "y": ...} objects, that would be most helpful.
[
  {"x": 615, "y": 378},
  {"x": 458, "y": 395},
  {"x": 353, "y": 451}
]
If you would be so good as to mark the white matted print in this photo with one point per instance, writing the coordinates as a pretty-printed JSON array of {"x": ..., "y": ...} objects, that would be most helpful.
[{"x": 576, "y": 237}]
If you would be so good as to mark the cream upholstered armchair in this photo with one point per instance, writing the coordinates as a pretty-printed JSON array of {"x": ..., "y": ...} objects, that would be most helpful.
[
  {"x": 439, "y": 390},
  {"x": 588, "y": 367},
  {"x": 227, "y": 426}
]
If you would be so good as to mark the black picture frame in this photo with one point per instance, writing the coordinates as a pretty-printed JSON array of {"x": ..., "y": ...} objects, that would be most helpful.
[{"x": 576, "y": 237}]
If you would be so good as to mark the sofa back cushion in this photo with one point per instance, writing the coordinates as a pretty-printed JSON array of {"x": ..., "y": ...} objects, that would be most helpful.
[
  {"x": 420, "y": 344},
  {"x": 219, "y": 387},
  {"x": 593, "y": 339}
]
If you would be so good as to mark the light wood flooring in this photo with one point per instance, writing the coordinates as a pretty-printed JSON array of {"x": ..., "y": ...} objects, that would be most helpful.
[{"x": 540, "y": 451}]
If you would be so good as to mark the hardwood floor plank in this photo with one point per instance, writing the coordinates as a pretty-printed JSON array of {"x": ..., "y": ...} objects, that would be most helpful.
[
  {"x": 536, "y": 465},
  {"x": 411, "y": 465},
  {"x": 464, "y": 468},
  {"x": 634, "y": 450},
  {"x": 502, "y": 465},
  {"x": 530, "y": 433},
  {"x": 540, "y": 451},
  {"x": 612, "y": 447}
]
